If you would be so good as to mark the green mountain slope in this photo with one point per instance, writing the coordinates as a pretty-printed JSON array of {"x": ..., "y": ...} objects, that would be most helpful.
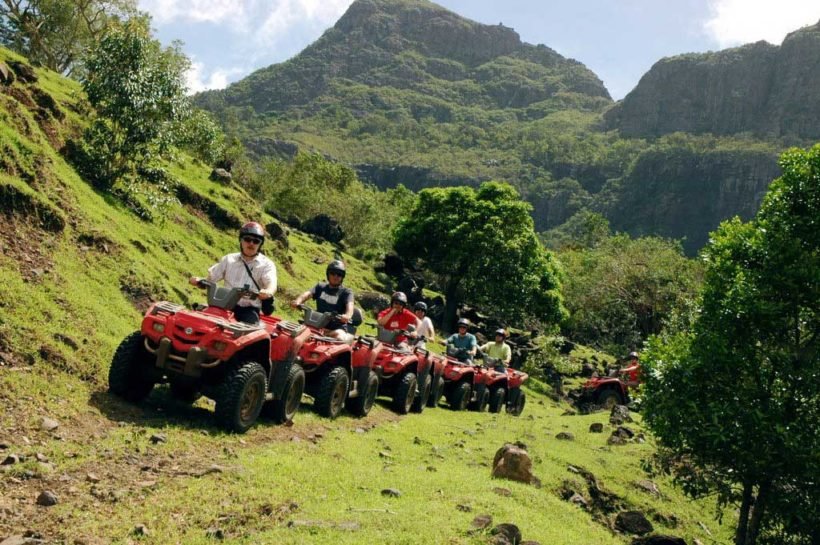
[
  {"x": 408, "y": 92},
  {"x": 407, "y": 84},
  {"x": 418, "y": 46},
  {"x": 77, "y": 267}
]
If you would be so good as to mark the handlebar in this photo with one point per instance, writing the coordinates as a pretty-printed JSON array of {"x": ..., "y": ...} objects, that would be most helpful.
[{"x": 244, "y": 291}]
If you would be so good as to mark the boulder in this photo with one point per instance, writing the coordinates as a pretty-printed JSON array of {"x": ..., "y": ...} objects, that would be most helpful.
[
  {"x": 596, "y": 427},
  {"x": 649, "y": 487},
  {"x": 633, "y": 522},
  {"x": 615, "y": 439},
  {"x": 413, "y": 287},
  {"x": 506, "y": 534},
  {"x": 513, "y": 462},
  {"x": 323, "y": 226},
  {"x": 565, "y": 436},
  {"x": 48, "y": 424},
  {"x": 6, "y": 75},
  {"x": 624, "y": 432},
  {"x": 393, "y": 265},
  {"x": 277, "y": 232},
  {"x": 372, "y": 300},
  {"x": 619, "y": 415},
  {"x": 482, "y": 521},
  {"x": 47, "y": 498},
  {"x": 221, "y": 176},
  {"x": 25, "y": 73},
  {"x": 588, "y": 370}
]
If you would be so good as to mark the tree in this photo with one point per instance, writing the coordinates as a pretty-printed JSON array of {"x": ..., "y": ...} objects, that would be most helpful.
[
  {"x": 311, "y": 184},
  {"x": 584, "y": 229},
  {"x": 57, "y": 33},
  {"x": 483, "y": 247},
  {"x": 735, "y": 403},
  {"x": 137, "y": 89},
  {"x": 621, "y": 290}
]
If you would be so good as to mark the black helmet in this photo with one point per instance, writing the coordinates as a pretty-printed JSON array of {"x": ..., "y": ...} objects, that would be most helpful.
[
  {"x": 463, "y": 322},
  {"x": 633, "y": 355},
  {"x": 252, "y": 229},
  {"x": 421, "y": 305},
  {"x": 336, "y": 266},
  {"x": 399, "y": 297},
  {"x": 500, "y": 331}
]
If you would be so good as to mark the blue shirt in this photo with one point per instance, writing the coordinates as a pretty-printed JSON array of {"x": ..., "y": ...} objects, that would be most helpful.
[{"x": 467, "y": 342}]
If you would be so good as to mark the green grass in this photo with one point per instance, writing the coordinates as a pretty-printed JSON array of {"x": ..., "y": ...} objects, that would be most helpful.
[{"x": 331, "y": 470}]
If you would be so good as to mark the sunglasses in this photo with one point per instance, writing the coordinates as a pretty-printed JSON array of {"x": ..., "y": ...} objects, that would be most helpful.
[{"x": 252, "y": 240}]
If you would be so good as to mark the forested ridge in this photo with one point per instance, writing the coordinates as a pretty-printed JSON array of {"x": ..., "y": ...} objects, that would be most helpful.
[{"x": 406, "y": 92}]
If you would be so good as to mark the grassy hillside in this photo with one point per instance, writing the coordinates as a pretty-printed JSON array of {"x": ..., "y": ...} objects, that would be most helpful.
[{"x": 77, "y": 267}]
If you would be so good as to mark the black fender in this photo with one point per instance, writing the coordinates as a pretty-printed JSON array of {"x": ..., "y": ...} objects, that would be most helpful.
[
  {"x": 279, "y": 376},
  {"x": 512, "y": 396},
  {"x": 421, "y": 377},
  {"x": 360, "y": 375},
  {"x": 478, "y": 391}
]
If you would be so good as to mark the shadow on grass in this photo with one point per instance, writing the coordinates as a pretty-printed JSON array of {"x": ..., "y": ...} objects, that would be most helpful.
[{"x": 158, "y": 410}]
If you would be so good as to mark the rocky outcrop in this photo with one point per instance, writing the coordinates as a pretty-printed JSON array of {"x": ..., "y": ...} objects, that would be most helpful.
[
  {"x": 763, "y": 89},
  {"x": 684, "y": 192}
]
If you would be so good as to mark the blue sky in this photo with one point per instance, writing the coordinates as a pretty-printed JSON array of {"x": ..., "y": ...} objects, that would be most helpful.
[{"x": 618, "y": 39}]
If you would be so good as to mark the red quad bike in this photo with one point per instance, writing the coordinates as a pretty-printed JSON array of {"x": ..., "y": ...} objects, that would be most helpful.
[
  {"x": 504, "y": 387},
  {"x": 459, "y": 380},
  {"x": 400, "y": 371},
  {"x": 437, "y": 366},
  {"x": 246, "y": 369},
  {"x": 331, "y": 366},
  {"x": 430, "y": 378},
  {"x": 607, "y": 392}
]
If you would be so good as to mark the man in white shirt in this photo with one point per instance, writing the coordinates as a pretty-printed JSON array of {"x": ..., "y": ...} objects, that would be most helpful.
[
  {"x": 247, "y": 267},
  {"x": 426, "y": 325}
]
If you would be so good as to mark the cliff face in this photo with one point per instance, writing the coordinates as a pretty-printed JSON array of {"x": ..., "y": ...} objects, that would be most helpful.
[
  {"x": 413, "y": 44},
  {"x": 770, "y": 91},
  {"x": 686, "y": 193}
]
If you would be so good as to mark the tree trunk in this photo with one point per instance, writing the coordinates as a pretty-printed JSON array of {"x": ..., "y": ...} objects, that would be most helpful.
[
  {"x": 757, "y": 513},
  {"x": 743, "y": 519},
  {"x": 451, "y": 304}
]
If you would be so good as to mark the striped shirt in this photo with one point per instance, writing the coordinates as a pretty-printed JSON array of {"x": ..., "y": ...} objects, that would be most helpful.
[{"x": 233, "y": 272}]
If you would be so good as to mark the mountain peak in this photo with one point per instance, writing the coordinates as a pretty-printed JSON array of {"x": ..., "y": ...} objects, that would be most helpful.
[
  {"x": 427, "y": 27},
  {"x": 419, "y": 47}
]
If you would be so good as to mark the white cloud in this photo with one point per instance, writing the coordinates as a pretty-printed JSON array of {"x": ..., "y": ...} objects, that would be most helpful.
[
  {"x": 199, "y": 11},
  {"x": 197, "y": 79},
  {"x": 284, "y": 14},
  {"x": 245, "y": 15},
  {"x": 735, "y": 22},
  {"x": 254, "y": 31}
]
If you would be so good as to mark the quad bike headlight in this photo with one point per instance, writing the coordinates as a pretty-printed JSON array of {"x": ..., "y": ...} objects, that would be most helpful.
[
  {"x": 159, "y": 327},
  {"x": 219, "y": 346}
]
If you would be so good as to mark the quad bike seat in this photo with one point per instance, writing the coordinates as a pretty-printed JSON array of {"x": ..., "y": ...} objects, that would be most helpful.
[
  {"x": 330, "y": 340},
  {"x": 398, "y": 350}
]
